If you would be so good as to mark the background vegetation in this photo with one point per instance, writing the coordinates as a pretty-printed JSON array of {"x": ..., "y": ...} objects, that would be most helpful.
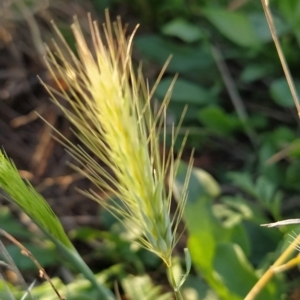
[{"x": 242, "y": 124}]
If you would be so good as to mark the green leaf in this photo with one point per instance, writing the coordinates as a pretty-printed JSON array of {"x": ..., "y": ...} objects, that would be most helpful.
[
  {"x": 258, "y": 121},
  {"x": 281, "y": 94},
  {"x": 247, "y": 209},
  {"x": 180, "y": 28},
  {"x": 260, "y": 25},
  {"x": 201, "y": 183},
  {"x": 209, "y": 238},
  {"x": 45, "y": 256},
  {"x": 191, "y": 115},
  {"x": 204, "y": 228},
  {"x": 216, "y": 119},
  {"x": 283, "y": 136},
  {"x": 184, "y": 58},
  {"x": 239, "y": 237},
  {"x": 196, "y": 288},
  {"x": 141, "y": 287},
  {"x": 188, "y": 263},
  {"x": 265, "y": 189},
  {"x": 290, "y": 10},
  {"x": 263, "y": 241},
  {"x": 35, "y": 206},
  {"x": 243, "y": 181},
  {"x": 292, "y": 175},
  {"x": 32, "y": 203},
  {"x": 233, "y": 25},
  {"x": 9, "y": 224},
  {"x": 257, "y": 71},
  {"x": 232, "y": 220},
  {"x": 294, "y": 148},
  {"x": 235, "y": 272},
  {"x": 184, "y": 92}
]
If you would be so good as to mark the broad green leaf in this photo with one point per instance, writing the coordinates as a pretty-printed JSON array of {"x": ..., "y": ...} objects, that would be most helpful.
[
  {"x": 238, "y": 236},
  {"x": 184, "y": 91},
  {"x": 248, "y": 209},
  {"x": 263, "y": 241},
  {"x": 180, "y": 28},
  {"x": 235, "y": 272},
  {"x": 258, "y": 121},
  {"x": 281, "y": 94},
  {"x": 184, "y": 58},
  {"x": 243, "y": 181},
  {"x": 257, "y": 71},
  {"x": 209, "y": 237},
  {"x": 294, "y": 148},
  {"x": 261, "y": 28},
  {"x": 233, "y": 25},
  {"x": 282, "y": 136},
  {"x": 292, "y": 175},
  {"x": 232, "y": 220},
  {"x": 291, "y": 9},
  {"x": 205, "y": 230},
  {"x": 264, "y": 188},
  {"x": 191, "y": 115},
  {"x": 201, "y": 183},
  {"x": 272, "y": 171},
  {"x": 260, "y": 240},
  {"x": 269, "y": 196},
  {"x": 216, "y": 119}
]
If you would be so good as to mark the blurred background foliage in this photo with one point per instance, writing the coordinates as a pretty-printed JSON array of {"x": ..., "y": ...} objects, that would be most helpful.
[{"x": 241, "y": 121}]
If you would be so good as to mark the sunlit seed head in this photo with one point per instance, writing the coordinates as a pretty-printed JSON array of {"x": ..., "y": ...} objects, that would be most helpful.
[{"x": 111, "y": 111}]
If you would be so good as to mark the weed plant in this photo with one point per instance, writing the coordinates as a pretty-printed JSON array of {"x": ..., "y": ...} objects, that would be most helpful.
[
  {"x": 109, "y": 105},
  {"x": 120, "y": 128}
]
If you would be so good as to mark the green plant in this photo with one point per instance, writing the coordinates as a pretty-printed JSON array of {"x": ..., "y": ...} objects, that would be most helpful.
[
  {"x": 122, "y": 132},
  {"x": 111, "y": 109},
  {"x": 241, "y": 128},
  {"x": 284, "y": 262},
  {"x": 23, "y": 194}
]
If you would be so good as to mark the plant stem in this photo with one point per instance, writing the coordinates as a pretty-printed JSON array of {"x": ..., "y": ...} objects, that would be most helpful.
[
  {"x": 173, "y": 283},
  {"x": 73, "y": 257},
  {"x": 289, "y": 79},
  {"x": 103, "y": 292}
]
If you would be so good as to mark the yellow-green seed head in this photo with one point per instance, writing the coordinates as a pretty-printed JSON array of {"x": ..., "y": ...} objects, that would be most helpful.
[{"x": 111, "y": 111}]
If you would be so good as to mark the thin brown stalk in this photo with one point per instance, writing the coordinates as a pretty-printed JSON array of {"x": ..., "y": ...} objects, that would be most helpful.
[
  {"x": 265, "y": 4},
  {"x": 27, "y": 253}
]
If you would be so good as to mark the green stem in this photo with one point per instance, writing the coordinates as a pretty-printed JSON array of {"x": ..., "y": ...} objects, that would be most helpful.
[
  {"x": 73, "y": 257},
  {"x": 103, "y": 292},
  {"x": 173, "y": 283}
]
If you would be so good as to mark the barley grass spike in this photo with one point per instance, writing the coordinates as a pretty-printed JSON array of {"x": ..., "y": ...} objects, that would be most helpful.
[{"x": 111, "y": 108}]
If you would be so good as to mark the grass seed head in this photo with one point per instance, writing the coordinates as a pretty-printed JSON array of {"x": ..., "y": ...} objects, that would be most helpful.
[{"x": 110, "y": 107}]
